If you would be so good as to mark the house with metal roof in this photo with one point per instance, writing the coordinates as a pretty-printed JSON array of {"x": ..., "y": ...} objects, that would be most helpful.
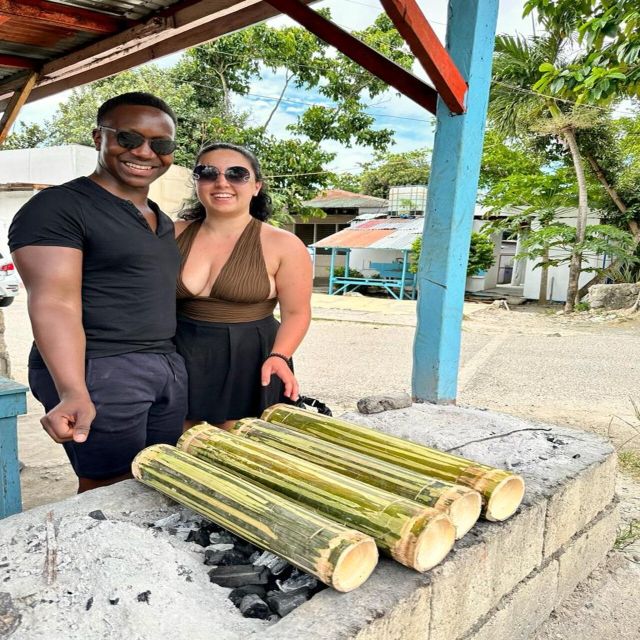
[
  {"x": 379, "y": 249},
  {"x": 339, "y": 207}
]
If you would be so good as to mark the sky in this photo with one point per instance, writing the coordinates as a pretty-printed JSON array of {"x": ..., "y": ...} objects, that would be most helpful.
[{"x": 413, "y": 126}]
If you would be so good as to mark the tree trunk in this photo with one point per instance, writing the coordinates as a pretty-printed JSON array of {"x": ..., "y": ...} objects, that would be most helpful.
[
  {"x": 416, "y": 536},
  {"x": 634, "y": 227},
  {"x": 502, "y": 491},
  {"x": 544, "y": 280},
  {"x": 338, "y": 556},
  {"x": 575, "y": 265},
  {"x": 275, "y": 108},
  {"x": 461, "y": 504}
]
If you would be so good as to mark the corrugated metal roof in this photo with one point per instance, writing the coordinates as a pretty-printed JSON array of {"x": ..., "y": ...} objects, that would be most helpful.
[
  {"x": 352, "y": 238},
  {"x": 394, "y": 233}
]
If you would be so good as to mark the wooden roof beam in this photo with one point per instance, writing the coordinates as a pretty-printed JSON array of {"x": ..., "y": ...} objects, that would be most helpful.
[
  {"x": 15, "y": 104},
  {"x": 122, "y": 51},
  {"x": 61, "y": 15},
  {"x": 18, "y": 62},
  {"x": 427, "y": 48},
  {"x": 373, "y": 61}
]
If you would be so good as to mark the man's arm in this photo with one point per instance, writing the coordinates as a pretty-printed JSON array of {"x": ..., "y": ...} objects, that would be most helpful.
[{"x": 53, "y": 279}]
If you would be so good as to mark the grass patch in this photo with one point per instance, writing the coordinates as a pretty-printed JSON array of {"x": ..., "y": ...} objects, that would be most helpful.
[
  {"x": 630, "y": 463},
  {"x": 628, "y": 535}
]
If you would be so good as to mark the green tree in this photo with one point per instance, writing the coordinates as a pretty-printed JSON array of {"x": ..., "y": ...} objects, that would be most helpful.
[
  {"x": 481, "y": 257},
  {"x": 349, "y": 87},
  {"x": 27, "y": 136},
  {"x": 394, "y": 169},
  {"x": 606, "y": 37},
  {"x": 516, "y": 109}
]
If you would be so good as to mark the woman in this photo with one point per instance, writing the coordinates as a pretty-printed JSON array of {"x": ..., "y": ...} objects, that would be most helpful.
[{"x": 235, "y": 268}]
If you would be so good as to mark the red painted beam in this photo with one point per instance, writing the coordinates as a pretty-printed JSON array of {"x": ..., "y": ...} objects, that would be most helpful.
[
  {"x": 61, "y": 15},
  {"x": 18, "y": 62},
  {"x": 387, "y": 70},
  {"x": 434, "y": 58}
]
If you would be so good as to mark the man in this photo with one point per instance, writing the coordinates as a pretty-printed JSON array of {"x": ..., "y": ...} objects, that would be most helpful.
[{"x": 99, "y": 263}]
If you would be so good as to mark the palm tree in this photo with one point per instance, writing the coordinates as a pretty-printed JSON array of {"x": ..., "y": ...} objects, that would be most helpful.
[{"x": 516, "y": 109}]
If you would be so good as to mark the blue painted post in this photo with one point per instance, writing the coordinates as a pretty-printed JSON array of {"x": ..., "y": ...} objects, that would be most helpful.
[
  {"x": 347, "y": 255},
  {"x": 404, "y": 273},
  {"x": 333, "y": 262},
  {"x": 13, "y": 401},
  {"x": 451, "y": 201}
]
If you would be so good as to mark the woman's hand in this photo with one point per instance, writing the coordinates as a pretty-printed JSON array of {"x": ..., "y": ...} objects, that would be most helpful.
[{"x": 276, "y": 366}]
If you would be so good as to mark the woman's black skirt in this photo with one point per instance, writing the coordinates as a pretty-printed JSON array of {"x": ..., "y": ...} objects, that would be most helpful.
[{"x": 224, "y": 362}]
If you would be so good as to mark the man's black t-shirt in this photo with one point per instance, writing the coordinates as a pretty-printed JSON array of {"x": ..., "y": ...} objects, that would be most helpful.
[{"x": 128, "y": 272}]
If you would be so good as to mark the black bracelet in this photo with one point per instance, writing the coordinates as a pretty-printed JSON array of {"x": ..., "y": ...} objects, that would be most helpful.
[{"x": 273, "y": 354}]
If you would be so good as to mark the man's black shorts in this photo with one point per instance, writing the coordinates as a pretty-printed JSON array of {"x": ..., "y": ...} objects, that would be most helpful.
[{"x": 140, "y": 400}]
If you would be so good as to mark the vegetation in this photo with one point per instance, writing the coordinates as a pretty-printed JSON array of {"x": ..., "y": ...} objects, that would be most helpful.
[
  {"x": 480, "y": 254},
  {"x": 203, "y": 88}
]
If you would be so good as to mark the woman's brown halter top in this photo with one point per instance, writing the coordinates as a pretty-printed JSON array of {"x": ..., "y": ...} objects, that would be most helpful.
[{"x": 241, "y": 291}]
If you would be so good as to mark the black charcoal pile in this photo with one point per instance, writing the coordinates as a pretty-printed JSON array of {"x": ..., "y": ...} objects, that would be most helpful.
[{"x": 262, "y": 584}]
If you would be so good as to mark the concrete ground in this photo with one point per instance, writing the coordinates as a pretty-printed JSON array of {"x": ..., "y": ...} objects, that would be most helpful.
[{"x": 530, "y": 362}]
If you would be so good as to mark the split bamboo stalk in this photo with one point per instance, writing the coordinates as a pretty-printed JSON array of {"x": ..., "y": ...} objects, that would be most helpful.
[
  {"x": 338, "y": 556},
  {"x": 502, "y": 491},
  {"x": 461, "y": 504},
  {"x": 413, "y": 534}
]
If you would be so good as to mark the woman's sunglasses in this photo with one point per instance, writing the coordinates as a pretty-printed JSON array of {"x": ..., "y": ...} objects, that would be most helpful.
[
  {"x": 133, "y": 140},
  {"x": 236, "y": 175}
]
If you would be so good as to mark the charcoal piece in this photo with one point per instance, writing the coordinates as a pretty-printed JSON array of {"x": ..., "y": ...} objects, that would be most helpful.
[
  {"x": 199, "y": 536},
  {"x": 223, "y": 558},
  {"x": 238, "y": 593},
  {"x": 297, "y": 582},
  {"x": 238, "y": 575},
  {"x": 246, "y": 548},
  {"x": 222, "y": 537},
  {"x": 89, "y": 603},
  {"x": 253, "y": 606},
  {"x": 97, "y": 515},
  {"x": 114, "y": 599},
  {"x": 254, "y": 556},
  {"x": 285, "y": 603},
  {"x": 274, "y": 563},
  {"x": 143, "y": 597}
]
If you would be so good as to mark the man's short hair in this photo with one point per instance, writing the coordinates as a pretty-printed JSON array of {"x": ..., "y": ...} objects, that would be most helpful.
[{"x": 134, "y": 98}]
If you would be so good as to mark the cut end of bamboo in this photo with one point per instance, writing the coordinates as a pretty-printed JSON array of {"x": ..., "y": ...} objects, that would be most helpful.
[
  {"x": 427, "y": 549},
  {"x": 191, "y": 434},
  {"x": 355, "y": 564},
  {"x": 505, "y": 499},
  {"x": 463, "y": 509}
]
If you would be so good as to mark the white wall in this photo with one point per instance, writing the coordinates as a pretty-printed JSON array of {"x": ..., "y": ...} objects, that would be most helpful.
[
  {"x": 557, "y": 282},
  {"x": 47, "y": 165}
]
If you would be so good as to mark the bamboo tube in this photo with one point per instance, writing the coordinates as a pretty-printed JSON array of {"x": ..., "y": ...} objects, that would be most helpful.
[
  {"x": 416, "y": 536},
  {"x": 502, "y": 491},
  {"x": 338, "y": 556},
  {"x": 461, "y": 504}
]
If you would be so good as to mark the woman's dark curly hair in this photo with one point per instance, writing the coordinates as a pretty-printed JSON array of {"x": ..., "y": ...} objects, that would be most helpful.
[{"x": 260, "y": 206}]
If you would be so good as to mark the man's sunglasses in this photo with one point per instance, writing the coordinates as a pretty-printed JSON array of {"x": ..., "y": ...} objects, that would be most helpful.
[
  {"x": 133, "y": 140},
  {"x": 236, "y": 175}
]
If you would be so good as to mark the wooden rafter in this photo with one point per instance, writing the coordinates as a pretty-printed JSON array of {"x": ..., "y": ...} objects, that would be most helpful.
[
  {"x": 17, "y": 62},
  {"x": 162, "y": 35},
  {"x": 373, "y": 61},
  {"x": 15, "y": 104},
  {"x": 61, "y": 15},
  {"x": 427, "y": 48}
]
